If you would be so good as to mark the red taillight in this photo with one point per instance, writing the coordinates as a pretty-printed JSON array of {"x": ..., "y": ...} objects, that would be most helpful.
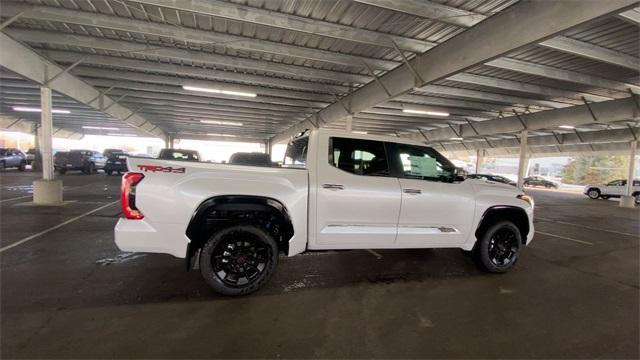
[{"x": 128, "y": 195}]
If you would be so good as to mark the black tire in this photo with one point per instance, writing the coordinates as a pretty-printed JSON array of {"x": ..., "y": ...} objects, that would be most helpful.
[
  {"x": 593, "y": 193},
  {"x": 3, "y": 165},
  {"x": 90, "y": 168},
  {"x": 62, "y": 171},
  {"x": 108, "y": 172},
  {"x": 498, "y": 248},
  {"x": 604, "y": 197},
  {"x": 22, "y": 166},
  {"x": 240, "y": 249},
  {"x": 636, "y": 195}
]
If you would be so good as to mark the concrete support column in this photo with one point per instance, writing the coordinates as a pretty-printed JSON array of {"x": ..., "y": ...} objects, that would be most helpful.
[
  {"x": 267, "y": 147},
  {"x": 46, "y": 191},
  {"x": 479, "y": 160},
  {"x": 523, "y": 163},
  {"x": 349, "y": 125},
  {"x": 36, "y": 165},
  {"x": 46, "y": 129},
  {"x": 628, "y": 200},
  {"x": 169, "y": 142}
]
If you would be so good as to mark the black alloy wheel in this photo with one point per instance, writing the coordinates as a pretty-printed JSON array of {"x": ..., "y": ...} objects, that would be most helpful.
[
  {"x": 503, "y": 247},
  {"x": 238, "y": 260},
  {"x": 497, "y": 250}
]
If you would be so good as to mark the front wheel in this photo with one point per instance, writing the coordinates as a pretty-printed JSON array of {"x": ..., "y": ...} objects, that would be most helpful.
[
  {"x": 62, "y": 171},
  {"x": 498, "y": 248},
  {"x": 22, "y": 166},
  {"x": 109, "y": 172},
  {"x": 593, "y": 193},
  {"x": 238, "y": 260}
]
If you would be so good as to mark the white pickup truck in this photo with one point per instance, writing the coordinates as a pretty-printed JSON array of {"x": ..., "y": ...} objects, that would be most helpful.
[{"x": 335, "y": 190}]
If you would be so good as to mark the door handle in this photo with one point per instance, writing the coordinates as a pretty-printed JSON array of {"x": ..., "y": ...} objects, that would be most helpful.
[
  {"x": 333, "y": 186},
  {"x": 412, "y": 191}
]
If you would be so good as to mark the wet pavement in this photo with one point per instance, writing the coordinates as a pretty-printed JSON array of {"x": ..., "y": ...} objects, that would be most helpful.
[{"x": 69, "y": 293}]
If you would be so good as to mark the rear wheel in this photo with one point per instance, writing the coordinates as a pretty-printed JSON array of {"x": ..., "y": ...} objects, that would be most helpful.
[
  {"x": 238, "y": 260},
  {"x": 2, "y": 165},
  {"x": 109, "y": 172},
  {"x": 498, "y": 248},
  {"x": 593, "y": 193},
  {"x": 62, "y": 171},
  {"x": 90, "y": 169},
  {"x": 637, "y": 197},
  {"x": 22, "y": 166}
]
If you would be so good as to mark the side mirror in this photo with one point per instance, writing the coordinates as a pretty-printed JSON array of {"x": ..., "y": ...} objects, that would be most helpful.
[{"x": 459, "y": 174}]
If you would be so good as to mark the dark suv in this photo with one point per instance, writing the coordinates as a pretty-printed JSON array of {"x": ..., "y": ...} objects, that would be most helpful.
[
  {"x": 87, "y": 161},
  {"x": 11, "y": 157},
  {"x": 117, "y": 162}
]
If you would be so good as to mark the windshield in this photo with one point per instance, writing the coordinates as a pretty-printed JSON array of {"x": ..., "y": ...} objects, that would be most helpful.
[{"x": 296, "y": 154}]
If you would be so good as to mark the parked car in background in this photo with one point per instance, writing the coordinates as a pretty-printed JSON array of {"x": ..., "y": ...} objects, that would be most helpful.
[
  {"x": 108, "y": 152},
  {"x": 117, "y": 163},
  {"x": 336, "y": 190},
  {"x": 613, "y": 189},
  {"x": 11, "y": 157},
  {"x": 250, "y": 158},
  {"x": 87, "y": 161},
  {"x": 179, "y": 154},
  {"x": 496, "y": 178},
  {"x": 539, "y": 181},
  {"x": 31, "y": 156}
]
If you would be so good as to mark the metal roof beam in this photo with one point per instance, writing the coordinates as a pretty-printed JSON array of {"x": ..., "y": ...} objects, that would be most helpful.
[
  {"x": 62, "y": 15},
  {"x": 464, "y": 18},
  {"x": 491, "y": 97},
  {"x": 135, "y": 85},
  {"x": 20, "y": 124},
  {"x": 541, "y": 19},
  {"x": 522, "y": 87},
  {"x": 547, "y": 150},
  {"x": 213, "y": 59},
  {"x": 261, "y": 91},
  {"x": 593, "y": 52},
  {"x": 27, "y": 63},
  {"x": 606, "y": 111},
  {"x": 590, "y": 137},
  {"x": 243, "y": 13},
  {"x": 192, "y": 71},
  {"x": 559, "y": 74},
  {"x": 632, "y": 16},
  {"x": 430, "y": 10}
]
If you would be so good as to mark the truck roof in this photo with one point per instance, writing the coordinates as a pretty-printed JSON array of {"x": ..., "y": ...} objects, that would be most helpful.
[{"x": 393, "y": 139}]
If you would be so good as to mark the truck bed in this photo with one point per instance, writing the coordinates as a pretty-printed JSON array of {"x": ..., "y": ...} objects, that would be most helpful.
[{"x": 171, "y": 191}]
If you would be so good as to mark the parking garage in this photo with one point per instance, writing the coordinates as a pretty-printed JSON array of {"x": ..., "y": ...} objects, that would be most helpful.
[{"x": 480, "y": 80}]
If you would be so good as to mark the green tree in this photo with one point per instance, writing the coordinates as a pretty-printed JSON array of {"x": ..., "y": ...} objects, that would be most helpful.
[{"x": 595, "y": 169}]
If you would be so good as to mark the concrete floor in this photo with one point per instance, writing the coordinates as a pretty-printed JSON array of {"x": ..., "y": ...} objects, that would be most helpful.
[{"x": 68, "y": 293}]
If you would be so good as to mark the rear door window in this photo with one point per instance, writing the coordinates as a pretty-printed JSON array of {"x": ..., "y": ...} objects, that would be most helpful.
[{"x": 360, "y": 157}]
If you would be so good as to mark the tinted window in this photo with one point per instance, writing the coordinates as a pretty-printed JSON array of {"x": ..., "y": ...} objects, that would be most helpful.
[
  {"x": 636, "y": 182},
  {"x": 360, "y": 157},
  {"x": 296, "y": 154},
  {"x": 424, "y": 163}
]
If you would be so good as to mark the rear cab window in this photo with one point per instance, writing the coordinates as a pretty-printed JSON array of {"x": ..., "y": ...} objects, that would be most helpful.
[
  {"x": 296, "y": 154},
  {"x": 359, "y": 157}
]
